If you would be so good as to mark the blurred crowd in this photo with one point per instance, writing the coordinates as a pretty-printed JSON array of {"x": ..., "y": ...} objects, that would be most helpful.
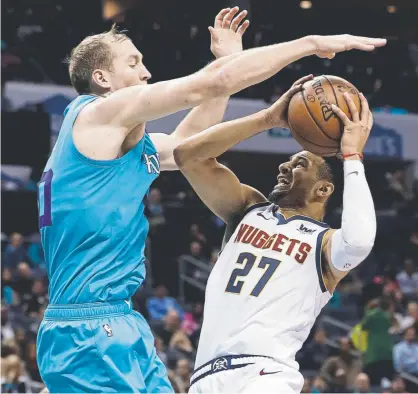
[{"x": 364, "y": 341}]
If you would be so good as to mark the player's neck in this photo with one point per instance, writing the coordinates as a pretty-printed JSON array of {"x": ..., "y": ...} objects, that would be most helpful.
[{"x": 312, "y": 210}]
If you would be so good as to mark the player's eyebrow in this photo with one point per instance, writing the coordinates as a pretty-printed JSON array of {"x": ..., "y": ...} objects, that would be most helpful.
[{"x": 137, "y": 58}]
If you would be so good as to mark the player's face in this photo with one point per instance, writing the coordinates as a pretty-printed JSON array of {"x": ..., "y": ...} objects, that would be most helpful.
[
  {"x": 296, "y": 180},
  {"x": 128, "y": 67}
]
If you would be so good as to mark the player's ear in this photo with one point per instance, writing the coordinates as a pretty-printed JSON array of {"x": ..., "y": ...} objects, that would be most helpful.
[
  {"x": 101, "y": 79},
  {"x": 325, "y": 189}
]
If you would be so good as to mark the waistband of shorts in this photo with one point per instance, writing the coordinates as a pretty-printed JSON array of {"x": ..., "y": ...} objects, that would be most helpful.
[
  {"x": 87, "y": 311},
  {"x": 224, "y": 363}
]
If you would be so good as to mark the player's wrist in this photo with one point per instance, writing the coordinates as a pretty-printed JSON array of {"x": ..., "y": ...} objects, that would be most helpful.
[
  {"x": 351, "y": 154},
  {"x": 310, "y": 44}
]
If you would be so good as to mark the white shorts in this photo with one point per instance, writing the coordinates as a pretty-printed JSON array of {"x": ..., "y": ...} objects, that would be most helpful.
[{"x": 263, "y": 376}]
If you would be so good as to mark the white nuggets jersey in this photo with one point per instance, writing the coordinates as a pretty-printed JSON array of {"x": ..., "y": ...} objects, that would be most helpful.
[{"x": 266, "y": 289}]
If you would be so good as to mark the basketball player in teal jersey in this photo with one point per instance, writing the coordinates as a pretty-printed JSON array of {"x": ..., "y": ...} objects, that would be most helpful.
[{"x": 91, "y": 211}]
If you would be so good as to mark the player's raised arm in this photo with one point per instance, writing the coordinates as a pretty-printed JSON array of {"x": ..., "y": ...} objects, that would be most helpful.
[
  {"x": 226, "y": 39},
  {"x": 128, "y": 107},
  {"x": 348, "y": 246},
  {"x": 217, "y": 186}
]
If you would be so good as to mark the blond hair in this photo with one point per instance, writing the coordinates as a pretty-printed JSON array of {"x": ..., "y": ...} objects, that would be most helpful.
[{"x": 92, "y": 53}]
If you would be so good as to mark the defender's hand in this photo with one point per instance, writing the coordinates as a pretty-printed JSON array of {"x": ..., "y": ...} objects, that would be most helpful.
[
  {"x": 277, "y": 113},
  {"x": 226, "y": 35},
  {"x": 328, "y": 46},
  {"x": 357, "y": 130}
]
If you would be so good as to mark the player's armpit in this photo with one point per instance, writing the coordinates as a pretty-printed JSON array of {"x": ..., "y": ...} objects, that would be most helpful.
[
  {"x": 165, "y": 145},
  {"x": 220, "y": 189}
]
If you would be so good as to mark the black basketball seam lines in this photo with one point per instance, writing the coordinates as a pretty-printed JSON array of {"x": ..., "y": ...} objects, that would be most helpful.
[
  {"x": 313, "y": 143},
  {"x": 316, "y": 123},
  {"x": 338, "y": 105}
]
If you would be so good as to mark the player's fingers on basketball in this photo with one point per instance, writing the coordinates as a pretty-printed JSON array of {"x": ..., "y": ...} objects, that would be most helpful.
[
  {"x": 228, "y": 17},
  {"x": 365, "y": 110},
  {"x": 241, "y": 30},
  {"x": 353, "y": 109},
  {"x": 220, "y": 17},
  {"x": 344, "y": 118},
  {"x": 238, "y": 19},
  {"x": 302, "y": 80},
  {"x": 293, "y": 90}
]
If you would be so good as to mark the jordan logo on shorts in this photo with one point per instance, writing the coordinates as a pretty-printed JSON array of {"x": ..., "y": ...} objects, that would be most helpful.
[{"x": 108, "y": 330}]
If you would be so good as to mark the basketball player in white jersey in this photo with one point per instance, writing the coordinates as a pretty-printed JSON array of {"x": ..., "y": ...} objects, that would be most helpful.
[{"x": 280, "y": 263}]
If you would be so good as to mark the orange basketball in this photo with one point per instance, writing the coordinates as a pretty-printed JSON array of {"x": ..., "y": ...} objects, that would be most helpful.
[{"x": 311, "y": 119}]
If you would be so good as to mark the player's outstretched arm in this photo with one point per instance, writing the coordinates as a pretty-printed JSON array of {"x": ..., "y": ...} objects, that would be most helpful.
[
  {"x": 128, "y": 107},
  {"x": 216, "y": 185},
  {"x": 351, "y": 244},
  {"x": 226, "y": 39}
]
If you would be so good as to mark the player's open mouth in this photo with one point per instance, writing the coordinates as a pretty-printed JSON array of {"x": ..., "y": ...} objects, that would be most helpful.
[{"x": 283, "y": 183}]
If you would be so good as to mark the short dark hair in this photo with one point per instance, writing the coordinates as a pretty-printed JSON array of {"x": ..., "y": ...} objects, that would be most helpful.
[
  {"x": 92, "y": 53},
  {"x": 325, "y": 171}
]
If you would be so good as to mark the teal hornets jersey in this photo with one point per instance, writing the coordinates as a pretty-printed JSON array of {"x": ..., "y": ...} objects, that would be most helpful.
[{"x": 91, "y": 218}]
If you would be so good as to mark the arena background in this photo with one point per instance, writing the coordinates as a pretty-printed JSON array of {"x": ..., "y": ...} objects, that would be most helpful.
[{"x": 184, "y": 236}]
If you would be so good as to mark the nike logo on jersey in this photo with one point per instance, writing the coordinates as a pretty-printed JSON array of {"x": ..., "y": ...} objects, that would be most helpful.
[
  {"x": 261, "y": 214},
  {"x": 268, "y": 373},
  {"x": 354, "y": 172}
]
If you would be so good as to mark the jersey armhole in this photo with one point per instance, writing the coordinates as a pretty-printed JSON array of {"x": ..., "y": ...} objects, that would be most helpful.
[
  {"x": 100, "y": 163},
  {"x": 319, "y": 258}
]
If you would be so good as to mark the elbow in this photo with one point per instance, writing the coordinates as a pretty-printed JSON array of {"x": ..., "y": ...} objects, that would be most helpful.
[
  {"x": 181, "y": 154},
  {"x": 220, "y": 83}
]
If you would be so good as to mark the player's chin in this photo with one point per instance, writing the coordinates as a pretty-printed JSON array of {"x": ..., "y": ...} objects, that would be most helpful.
[{"x": 278, "y": 192}]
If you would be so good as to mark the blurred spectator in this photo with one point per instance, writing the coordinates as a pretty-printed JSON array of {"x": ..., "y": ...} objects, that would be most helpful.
[
  {"x": 7, "y": 331},
  {"x": 315, "y": 353},
  {"x": 15, "y": 252},
  {"x": 36, "y": 252},
  {"x": 196, "y": 234},
  {"x": 341, "y": 370},
  {"x": 32, "y": 303},
  {"x": 408, "y": 280},
  {"x": 307, "y": 386},
  {"x": 319, "y": 385},
  {"x": 362, "y": 383},
  {"x": 397, "y": 386},
  {"x": 159, "y": 347},
  {"x": 404, "y": 322},
  {"x": 159, "y": 305},
  {"x": 6, "y": 281},
  {"x": 405, "y": 354},
  {"x": 196, "y": 250},
  {"x": 172, "y": 335},
  {"x": 155, "y": 210},
  {"x": 193, "y": 320},
  {"x": 23, "y": 282},
  {"x": 378, "y": 356},
  {"x": 12, "y": 380},
  {"x": 183, "y": 374}
]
